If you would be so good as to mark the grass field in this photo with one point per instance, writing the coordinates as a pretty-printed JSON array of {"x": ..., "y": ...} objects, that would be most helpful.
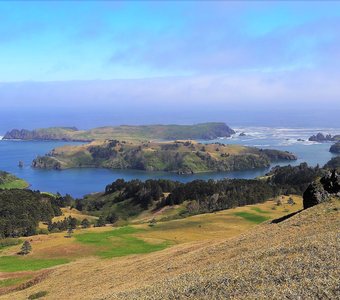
[
  {"x": 9, "y": 181},
  {"x": 295, "y": 259},
  {"x": 15, "y": 263},
  {"x": 119, "y": 242},
  {"x": 13, "y": 281},
  {"x": 15, "y": 184},
  {"x": 139, "y": 239},
  {"x": 251, "y": 217}
]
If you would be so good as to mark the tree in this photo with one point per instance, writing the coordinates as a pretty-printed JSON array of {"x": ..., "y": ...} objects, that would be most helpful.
[
  {"x": 72, "y": 222},
  {"x": 100, "y": 222},
  {"x": 112, "y": 218},
  {"x": 69, "y": 232},
  {"x": 25, "y": 248},
  {"x": 85, "y": 223}
]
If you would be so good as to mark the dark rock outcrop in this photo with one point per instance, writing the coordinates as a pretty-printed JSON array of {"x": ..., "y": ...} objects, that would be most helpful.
[
  {"x": 335, "y": 148},
  {"x": 324, "y": 138},
  {"x": 46, "y": 162},
  {"x": 322, "y": 190}
]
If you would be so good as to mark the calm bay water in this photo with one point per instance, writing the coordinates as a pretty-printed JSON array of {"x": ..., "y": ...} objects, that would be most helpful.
[{"x": 79, "y": 182}]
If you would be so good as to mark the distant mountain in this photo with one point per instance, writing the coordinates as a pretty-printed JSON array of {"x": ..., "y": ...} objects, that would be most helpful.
[{"x": 205, "y": 131}]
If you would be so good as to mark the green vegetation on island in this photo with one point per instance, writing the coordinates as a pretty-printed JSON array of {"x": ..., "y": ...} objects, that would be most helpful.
[
  {"x": 206, "y": 131},
  {"x": 183, "y": 157}
]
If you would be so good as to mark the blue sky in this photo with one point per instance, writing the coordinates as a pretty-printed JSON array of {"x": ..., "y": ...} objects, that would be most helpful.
[{"x": 161, "y": 52}]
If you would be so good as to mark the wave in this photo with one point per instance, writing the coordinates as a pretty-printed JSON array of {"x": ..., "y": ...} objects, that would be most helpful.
[{"x": 280, "y": 133}]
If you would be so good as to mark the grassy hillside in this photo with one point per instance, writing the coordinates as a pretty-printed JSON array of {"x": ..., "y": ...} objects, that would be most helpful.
[
  {"x": 180, "y": 156},
  {"x": 215, "y": 256},
  {"x": 9, "y": 181},
  {"x": 107, "y": 242},
  {"x": 124, "y": 132}
]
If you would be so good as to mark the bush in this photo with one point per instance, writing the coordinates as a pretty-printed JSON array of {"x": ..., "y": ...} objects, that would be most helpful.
[
  {"x": 37, "y": 295},
  {"x": 9, "y": 242},
  {"x": 43, "y": 231},
  {"x": 26, "y": 248}
]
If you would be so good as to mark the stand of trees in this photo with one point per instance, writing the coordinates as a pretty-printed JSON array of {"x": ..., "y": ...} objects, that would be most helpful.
[
  {"x": 125, "y": 199},
  {"x": 22, "y": 210},
  {"x": 62, "y": 225}
]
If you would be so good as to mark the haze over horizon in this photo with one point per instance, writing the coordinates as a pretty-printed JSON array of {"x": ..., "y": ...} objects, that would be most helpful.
[{"x": 109, "y": 63}]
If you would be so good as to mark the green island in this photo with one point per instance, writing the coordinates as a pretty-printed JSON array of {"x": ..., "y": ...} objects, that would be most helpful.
[
  {"x": 182, "y": 157},
  {"x": 205, "y": 131},
  {"x": 9, "y": 181}
]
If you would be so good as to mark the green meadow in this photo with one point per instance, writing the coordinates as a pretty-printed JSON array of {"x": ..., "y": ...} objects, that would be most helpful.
[
  {"x": 251, "y": 217},
  {"x": 16, "y": 263},
  {"x": 119, "y": 242}
]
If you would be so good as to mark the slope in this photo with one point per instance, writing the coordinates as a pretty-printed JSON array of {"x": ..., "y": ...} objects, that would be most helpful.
[{"x": 297, "y": 258}]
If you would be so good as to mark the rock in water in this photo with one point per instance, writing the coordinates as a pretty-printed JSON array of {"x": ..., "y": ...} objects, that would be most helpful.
[{"x": 322, "y": 190}]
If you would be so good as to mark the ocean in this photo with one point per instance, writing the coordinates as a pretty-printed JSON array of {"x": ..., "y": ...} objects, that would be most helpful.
[{"x": 79, "y": 182}]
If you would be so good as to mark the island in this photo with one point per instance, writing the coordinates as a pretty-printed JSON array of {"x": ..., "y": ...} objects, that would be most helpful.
[
  {"x": 182, "y": 157},
  {"x": 324, "y": 138},
  {"x": 204, "y": 131},
  {"x": 335, "y": 148}
]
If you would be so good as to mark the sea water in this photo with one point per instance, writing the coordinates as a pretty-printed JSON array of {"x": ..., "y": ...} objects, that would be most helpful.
[{"x": 79, "y": 182}]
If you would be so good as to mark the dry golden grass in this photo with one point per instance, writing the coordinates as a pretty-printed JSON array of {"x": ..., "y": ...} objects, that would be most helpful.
[
  {"x": 297, "y": 258},
  {"x": 74, "y": 213},
  {"x": 222, "y": 224}
]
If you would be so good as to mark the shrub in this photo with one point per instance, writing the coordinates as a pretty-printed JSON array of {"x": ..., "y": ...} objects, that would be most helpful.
[
  {"x": 37, "y": 295},
  {"x": 26, "y": 248},
  {"x": 9, "y": 242}
]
